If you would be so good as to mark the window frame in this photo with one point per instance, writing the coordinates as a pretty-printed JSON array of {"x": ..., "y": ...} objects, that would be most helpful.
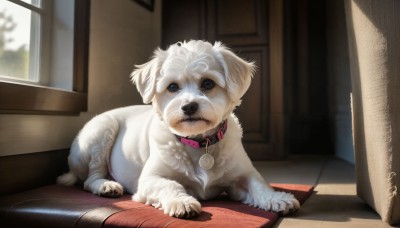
[{"x": 19, "y": 98}]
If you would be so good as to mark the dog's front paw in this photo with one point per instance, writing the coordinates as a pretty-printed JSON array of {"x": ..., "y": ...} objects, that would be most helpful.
[
  {"x": 182, "y": 207},
  {"x": 283, "y": 203},
  {"x": 111, "y": 189}
]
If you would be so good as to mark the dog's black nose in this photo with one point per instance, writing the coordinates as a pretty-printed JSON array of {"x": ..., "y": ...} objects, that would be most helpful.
[{"x": 190, "y": 109}]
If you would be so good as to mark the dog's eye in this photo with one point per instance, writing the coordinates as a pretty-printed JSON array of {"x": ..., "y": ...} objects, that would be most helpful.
[
  {"x": 173, "y": 87},
  {"x": 207, "y": 84}
]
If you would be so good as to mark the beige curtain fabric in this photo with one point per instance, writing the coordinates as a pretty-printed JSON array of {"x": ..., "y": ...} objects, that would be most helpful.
[{"x": 374, "y": 42}]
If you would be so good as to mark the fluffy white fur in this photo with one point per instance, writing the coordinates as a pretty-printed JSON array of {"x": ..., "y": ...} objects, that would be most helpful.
[{"x": 134, "y": 149}]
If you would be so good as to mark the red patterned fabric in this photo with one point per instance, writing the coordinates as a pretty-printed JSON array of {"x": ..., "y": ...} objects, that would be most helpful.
[{"x": 221, "y": 212}]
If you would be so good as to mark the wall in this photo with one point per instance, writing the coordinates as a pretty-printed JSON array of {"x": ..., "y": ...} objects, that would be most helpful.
[
  {"x": 338, "y": 70},
  {"x": 62, "y": 30},
  {"x": 122, "y": 34}
]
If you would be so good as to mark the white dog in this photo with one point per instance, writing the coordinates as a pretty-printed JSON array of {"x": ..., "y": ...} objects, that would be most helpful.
[{"x": 184, "y": 148}]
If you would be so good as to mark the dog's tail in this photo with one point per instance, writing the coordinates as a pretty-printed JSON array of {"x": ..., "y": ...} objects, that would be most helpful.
[{"x": 67, "y": 179}]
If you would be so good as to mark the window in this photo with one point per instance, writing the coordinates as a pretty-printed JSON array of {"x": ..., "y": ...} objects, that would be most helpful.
[
  {"x": 43, "y": 56},
  {"x": 21, "y": 24}
]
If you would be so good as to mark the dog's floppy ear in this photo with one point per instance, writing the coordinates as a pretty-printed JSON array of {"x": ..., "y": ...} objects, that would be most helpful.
[
  {"x": 145, "y": 76},
  {"x": 238, "y": 72}
]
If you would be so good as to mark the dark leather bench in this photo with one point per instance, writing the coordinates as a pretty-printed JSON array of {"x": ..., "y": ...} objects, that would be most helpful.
[
  {"x": 28, "y": 198},
  {"x": 59, "y": 206}
]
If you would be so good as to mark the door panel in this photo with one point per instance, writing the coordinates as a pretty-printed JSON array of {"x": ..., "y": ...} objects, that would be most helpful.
[
  {"x": 254, "y": 110},
  {"x": 237, "y": 22}
]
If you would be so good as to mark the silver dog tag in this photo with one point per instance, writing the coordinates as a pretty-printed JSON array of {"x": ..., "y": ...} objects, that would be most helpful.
[{"x": 206, "y": 161}]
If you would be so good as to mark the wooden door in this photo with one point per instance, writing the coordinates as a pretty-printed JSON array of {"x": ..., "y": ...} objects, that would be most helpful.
[{"x": 243, "y": 26}]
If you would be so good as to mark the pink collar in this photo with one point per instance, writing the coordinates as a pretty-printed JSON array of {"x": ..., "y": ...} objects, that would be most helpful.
[{"x": 207, "y": 141}]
